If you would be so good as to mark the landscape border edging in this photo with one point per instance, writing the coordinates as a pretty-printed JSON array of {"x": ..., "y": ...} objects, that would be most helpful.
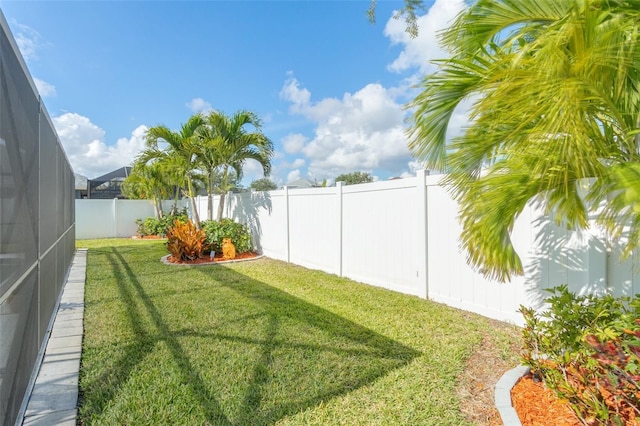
[
  {"x": 503, "y": 395},
  {"x": 164, "y": 259}
]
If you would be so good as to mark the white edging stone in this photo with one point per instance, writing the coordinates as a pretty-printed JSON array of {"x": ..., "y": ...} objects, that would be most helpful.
[
  {"x": 165, "y": 260},
  {"x": 503, "y": 395}
]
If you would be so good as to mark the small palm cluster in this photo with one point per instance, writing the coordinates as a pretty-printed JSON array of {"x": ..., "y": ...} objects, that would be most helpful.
[{"x": 207, "y": 152}]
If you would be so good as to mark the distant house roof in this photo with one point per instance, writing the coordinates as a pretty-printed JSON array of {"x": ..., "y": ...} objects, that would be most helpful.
[
  {"x": 108, "y": 186},
  {"x": 300, "y": 183},
  {"x": 122, "y": 172},
  {"x": 81, "y": 182}
]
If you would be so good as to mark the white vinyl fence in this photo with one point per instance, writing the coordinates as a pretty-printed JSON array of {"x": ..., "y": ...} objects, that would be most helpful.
[
  {"x": 404, "y": 235},
  {"x": 113, "y": 218}
]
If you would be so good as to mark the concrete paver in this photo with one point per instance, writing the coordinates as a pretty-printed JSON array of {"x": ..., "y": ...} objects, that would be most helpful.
[{"x": 54, "y": 397}]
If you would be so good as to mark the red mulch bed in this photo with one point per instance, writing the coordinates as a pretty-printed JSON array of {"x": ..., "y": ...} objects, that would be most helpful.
[
  {"x": 538, "y": 406},
  {"x": 217, "y": 258}
]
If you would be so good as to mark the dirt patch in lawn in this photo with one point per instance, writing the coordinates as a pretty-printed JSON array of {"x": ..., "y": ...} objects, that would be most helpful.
[{"x": 498, "y": 353}]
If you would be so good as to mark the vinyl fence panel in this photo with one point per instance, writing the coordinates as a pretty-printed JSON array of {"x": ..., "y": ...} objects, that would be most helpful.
[
  {"x": 314, "y": 228},
  {"x": 379, "y": 235}
]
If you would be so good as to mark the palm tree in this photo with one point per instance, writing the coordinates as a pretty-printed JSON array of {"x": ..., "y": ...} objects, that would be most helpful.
[
  {"x": 147, "y": 181},
  {"x": 209, "y": 161},
  {"x": 557, "y": 92},
  {"x": 228, "y": 144},
  {"x": 180, "y": 153}
]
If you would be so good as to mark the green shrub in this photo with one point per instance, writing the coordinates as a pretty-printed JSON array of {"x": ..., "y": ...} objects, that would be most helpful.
[
  {"x": 587, "y": 349},
  {"x": 155, "y": 226},
  {"x": 227, "y": 228},
  {"x": 149, "y": 226}
]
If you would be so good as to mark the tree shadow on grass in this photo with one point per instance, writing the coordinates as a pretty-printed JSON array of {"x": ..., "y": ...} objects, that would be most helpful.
[
  {"x": 332, "y": 355},
  {"x": 283, "y": 354},
  {"x": 131, "y": 290}
]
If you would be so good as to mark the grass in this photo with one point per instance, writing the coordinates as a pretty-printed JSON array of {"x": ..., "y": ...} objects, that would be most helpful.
[{"x": 261, "y": 343}]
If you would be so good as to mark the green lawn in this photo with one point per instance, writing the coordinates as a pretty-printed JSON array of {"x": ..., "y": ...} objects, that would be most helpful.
[{"x": 262, "y": 342}]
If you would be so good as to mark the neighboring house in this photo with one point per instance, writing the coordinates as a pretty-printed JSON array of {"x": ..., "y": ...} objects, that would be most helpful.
[
  {"x": 81, "y": 186},
  {"x": 108, "y": 186},
  {"x": 300, "y": 183}
]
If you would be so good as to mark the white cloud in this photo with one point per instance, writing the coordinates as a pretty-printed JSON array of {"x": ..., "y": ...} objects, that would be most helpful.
[
  {"x": 298, "y": 162},
  {"x": 199, "y": 105},
  {"x": 365, "y": 130},
  {"x": 294, "y": 175},
  {"x": 413, "y": 167},
  {"x": 45, "y": 89},
  {"x": 294, "y": 143},
  {"x": 29, "y": 40},
  {"x": 300, "y": 98},
  {"x": 361, "y": 131},
  {"x": 283, "y": 167},
  {"x": 418, "y": 51},
  {"x": 86, "y": 149}
]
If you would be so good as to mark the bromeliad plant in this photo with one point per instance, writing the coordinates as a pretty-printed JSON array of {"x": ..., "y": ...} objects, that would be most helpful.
[
  {"x": 185, "y": 241},
  {"x": 587, "y": 349}
]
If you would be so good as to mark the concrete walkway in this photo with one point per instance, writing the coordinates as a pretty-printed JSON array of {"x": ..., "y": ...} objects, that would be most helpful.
[{"x": 54, "y": 398}]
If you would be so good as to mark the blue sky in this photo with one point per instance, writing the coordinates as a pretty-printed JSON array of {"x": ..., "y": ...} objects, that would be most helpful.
[{"x": 328, "y": 85}]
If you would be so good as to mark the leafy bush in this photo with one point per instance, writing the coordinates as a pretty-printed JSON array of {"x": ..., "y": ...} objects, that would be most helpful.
[
  {"x": 227, "y": 228},
  {"x": 587, "y": 349},
  {"x": 155, "y": 226},
  {"x": 185, "y": 241},
  {"x": 149, "y": 226}
]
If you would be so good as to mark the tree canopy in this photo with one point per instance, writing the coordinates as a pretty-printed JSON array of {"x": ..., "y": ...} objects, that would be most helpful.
[
  {"x": 232, "y": 140},
  {"x": 557, "y": 104},
  {"x": 355, "y": 178},
  {"x": 207, "y": 152},
  {"x": 264, "y": 184},
  {"x": 179, "y": 154}
]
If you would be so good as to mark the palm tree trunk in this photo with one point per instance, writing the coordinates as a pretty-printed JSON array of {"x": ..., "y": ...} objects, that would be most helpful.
[
  {"x": 194, "y": 208},
  {"x": 174, "y": 208},
  {"x": 157, "y": 207},
  {"x": 223, "y": 188},
  {"x": 157, "y": 200},
  {"x": 210, "y": 198},
  {"x": 220, "y": 206}
]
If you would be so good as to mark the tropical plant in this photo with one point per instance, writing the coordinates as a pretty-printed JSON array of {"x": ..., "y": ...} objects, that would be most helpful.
[
  {"x": 355, "y": 178},
  {"x": 587, "y": 349},
  {"x": 228, "y": 142},
  {"x": 185, "y": 241},
  {"x": 160, "y": 226},
  {"x": 179, "y": 154},
  {"x": 147, "y": 181},
  {"x": 557, "y": 102}
]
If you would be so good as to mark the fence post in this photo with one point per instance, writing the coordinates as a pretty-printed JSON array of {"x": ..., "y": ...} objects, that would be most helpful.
[
  {"x": 339, "y": 186},
  {"x": 115, "y": 218},
  {"x": 286, "y": 200},
  {"x": 422, "y": 229}
]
